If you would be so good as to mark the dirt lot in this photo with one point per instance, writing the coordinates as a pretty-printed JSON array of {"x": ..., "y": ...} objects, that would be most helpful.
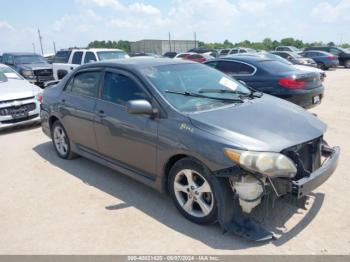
[{"x": 52, "y": 206}]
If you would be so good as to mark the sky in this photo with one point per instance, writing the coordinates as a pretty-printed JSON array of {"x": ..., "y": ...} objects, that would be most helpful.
[{"x": 77, "y": 22}]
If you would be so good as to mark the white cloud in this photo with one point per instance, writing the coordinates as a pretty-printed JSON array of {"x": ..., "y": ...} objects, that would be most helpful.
[
  {"x": 143, "y": 9},
  {"x": 4, "y": 25},
  {"x": 115, "y": 4},
  {"x": 259, "y": 7},
  {"x": 327, "y": 12}
]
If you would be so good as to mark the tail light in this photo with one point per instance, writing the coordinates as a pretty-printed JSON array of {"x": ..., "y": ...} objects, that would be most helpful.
[
  {"x": 292, "y": 83},
  {"x": 331, "y": 57},
  {"x": 40, "y": 98}
]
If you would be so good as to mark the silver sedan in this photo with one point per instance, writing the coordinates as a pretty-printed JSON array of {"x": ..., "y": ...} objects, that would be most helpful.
[{"x": 19, "y": 99}]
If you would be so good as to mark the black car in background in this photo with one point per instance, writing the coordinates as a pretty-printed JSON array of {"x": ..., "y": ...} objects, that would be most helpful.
[
  {"x": 295, "y": 58},
  {"x": 323, "y": 59},
  {"x": 342, "y": 53},
  {"x": 31, "y": 66},
  {"x": 170, "y": 54},
  {"x": 273, "y": 77}
]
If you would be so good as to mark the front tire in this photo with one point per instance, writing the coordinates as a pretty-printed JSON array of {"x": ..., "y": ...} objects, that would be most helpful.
[
  {"x": 193, "y": 190},
  {"x": 61, "y": 141}
]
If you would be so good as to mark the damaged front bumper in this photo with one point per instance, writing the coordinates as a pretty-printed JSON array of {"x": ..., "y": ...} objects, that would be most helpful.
[
  {"x": 234, "y": 220},
  {"x": 305, "y": 185}
]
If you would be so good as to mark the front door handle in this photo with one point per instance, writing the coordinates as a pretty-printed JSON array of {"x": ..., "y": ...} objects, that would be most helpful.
[{"x": 101, "y": 113}]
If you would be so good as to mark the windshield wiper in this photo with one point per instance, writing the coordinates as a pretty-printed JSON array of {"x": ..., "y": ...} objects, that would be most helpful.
[
  {"x": 252, "y": 93},
  {"x": 186, "y": 93}
]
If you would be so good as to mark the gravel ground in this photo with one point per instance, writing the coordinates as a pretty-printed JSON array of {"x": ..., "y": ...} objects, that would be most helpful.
[{"x": 52, "y": 206}]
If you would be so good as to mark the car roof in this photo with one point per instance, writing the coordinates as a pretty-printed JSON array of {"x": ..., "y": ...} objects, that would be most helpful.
[
  {"x": 246, "y": 58},
  {"x": 138, "y": 63},
  {"x": 20, "y": 53}
]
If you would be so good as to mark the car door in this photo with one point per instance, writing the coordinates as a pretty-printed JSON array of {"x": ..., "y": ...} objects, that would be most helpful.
[
  {"x": 77, "y": 107},
  {"x": 128, "y": 140}
]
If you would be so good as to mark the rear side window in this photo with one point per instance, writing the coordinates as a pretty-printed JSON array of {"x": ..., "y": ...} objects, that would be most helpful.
[
  {"x": 242, "y": 51},
  {"x": 234, "y": 51},
  {"x": 235, "y": 68},
  {"x": 89, "y": 56},
  {"x": 195, "y": 56},
  {"x": 85, "y": 84},
  {"x": 224, "y": 52},
  {"x": 62, "y": 57},
  {"x": 77, "y": 58},
  {"x": 120, "y": 89},
  {"x": 275, "y": 66}
]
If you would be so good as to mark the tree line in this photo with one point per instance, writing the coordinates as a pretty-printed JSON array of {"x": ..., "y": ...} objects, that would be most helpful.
[{"x": 266, "y": 44}]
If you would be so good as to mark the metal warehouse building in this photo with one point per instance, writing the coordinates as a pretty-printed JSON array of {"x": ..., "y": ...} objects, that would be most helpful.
[{"x": 162, "y": 46}]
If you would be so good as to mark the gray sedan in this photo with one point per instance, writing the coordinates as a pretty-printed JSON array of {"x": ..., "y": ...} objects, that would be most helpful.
[
  {"x": 216, "y": 146},
  {"x": 19, "y": 99}
]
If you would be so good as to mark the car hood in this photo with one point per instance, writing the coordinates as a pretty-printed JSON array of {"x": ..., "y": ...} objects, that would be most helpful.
[
  {"x": 14, "y": 89},
  {"x": 35, "y": 66},
  {"x": 263, "y": 124}
]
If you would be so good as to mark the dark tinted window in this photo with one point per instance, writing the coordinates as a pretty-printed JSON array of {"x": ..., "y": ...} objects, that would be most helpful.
[
  {"x": 224, "y": 52},
  {"x": 275, "y": 66},
  {"x": 242, "y": 51},
  {"x": 86, "y": 84},
  {"x": 234, "y": 51},
  {"x": 120, "y": 89},
  {"x": 77, "y": 58},
  {"x": 234, "y": 68},
  {"x": 89, "y": 56},
  {"x": 335, "y": 51},
  {"x": 62, "y": 57}
]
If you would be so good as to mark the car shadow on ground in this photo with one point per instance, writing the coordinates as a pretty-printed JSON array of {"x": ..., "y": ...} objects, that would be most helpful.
[
  {"x": 160, "y": 207},
  {"x": 19, "y": 128}
]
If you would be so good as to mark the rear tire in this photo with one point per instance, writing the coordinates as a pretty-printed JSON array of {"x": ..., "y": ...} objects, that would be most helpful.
[
  {"x": 193, "y": 189},
  {"x": 61, "y": 141}
]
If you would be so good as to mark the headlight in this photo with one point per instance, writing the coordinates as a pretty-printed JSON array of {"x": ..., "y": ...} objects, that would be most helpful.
[
  {"x": 266, "y": 163},
  {"x": 27, "y": 73}
]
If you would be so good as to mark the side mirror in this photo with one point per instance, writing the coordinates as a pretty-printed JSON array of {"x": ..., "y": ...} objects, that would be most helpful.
[{"x": 140, "y": 107}]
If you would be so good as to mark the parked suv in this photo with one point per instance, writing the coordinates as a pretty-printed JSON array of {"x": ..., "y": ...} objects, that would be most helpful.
[
  {"x": 66, "y": 60},
  {"x": 342, "y": 53},
  {"x": 217, "y": 147},
  {"x": 32, "y": 67},
  {"x": 238, "y": 50}
]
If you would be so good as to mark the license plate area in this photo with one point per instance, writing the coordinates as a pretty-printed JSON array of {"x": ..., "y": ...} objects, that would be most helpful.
[{"x": 19, "y": 112}]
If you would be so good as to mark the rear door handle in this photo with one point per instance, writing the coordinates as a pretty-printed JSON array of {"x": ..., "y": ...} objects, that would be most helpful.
[{"x": 101, "y": 113}]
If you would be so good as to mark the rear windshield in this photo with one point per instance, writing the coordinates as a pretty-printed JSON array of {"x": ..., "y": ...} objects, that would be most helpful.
[
  {"x": 275, "y": 66},
  {"x": 62, "y": 57}
]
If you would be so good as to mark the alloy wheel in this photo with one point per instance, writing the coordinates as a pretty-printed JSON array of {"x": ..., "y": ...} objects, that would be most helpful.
[
  {"x": 193, "y": 193},
  {"x": 60, "y": 140}
]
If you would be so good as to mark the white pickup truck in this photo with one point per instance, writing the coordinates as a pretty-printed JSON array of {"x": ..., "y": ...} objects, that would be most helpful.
[{"x": 66, "y": 60}]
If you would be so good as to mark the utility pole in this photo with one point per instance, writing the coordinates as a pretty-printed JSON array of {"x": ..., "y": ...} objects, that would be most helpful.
[
  {"x": 33, "y": 48},
  {"x": 54, "y": 47},
  {"x": 40, "y": 40},
  {"x": 169, "y": 43},
  {"x": 195, "y": 40}
]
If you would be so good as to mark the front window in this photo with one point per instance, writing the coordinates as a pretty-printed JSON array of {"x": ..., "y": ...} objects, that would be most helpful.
[
  {"x": 7, "y": 73},
  {"x": 29, "y": 59},
  {"x": 194, "y": 79},
  {"x": 109, "y": 55}
]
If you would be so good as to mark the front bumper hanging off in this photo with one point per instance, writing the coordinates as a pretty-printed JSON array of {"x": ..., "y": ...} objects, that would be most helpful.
[{"x": 233, "y": 220}]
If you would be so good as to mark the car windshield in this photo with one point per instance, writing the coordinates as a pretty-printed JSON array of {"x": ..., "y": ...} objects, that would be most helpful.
[
  {"x": 176, "y": 80},
  {"x": 7, "y": 73},
  {"x": 109, "y": 55},
  {"x": 274, "y": 66},
  {"x": 29, "y": 59}
]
